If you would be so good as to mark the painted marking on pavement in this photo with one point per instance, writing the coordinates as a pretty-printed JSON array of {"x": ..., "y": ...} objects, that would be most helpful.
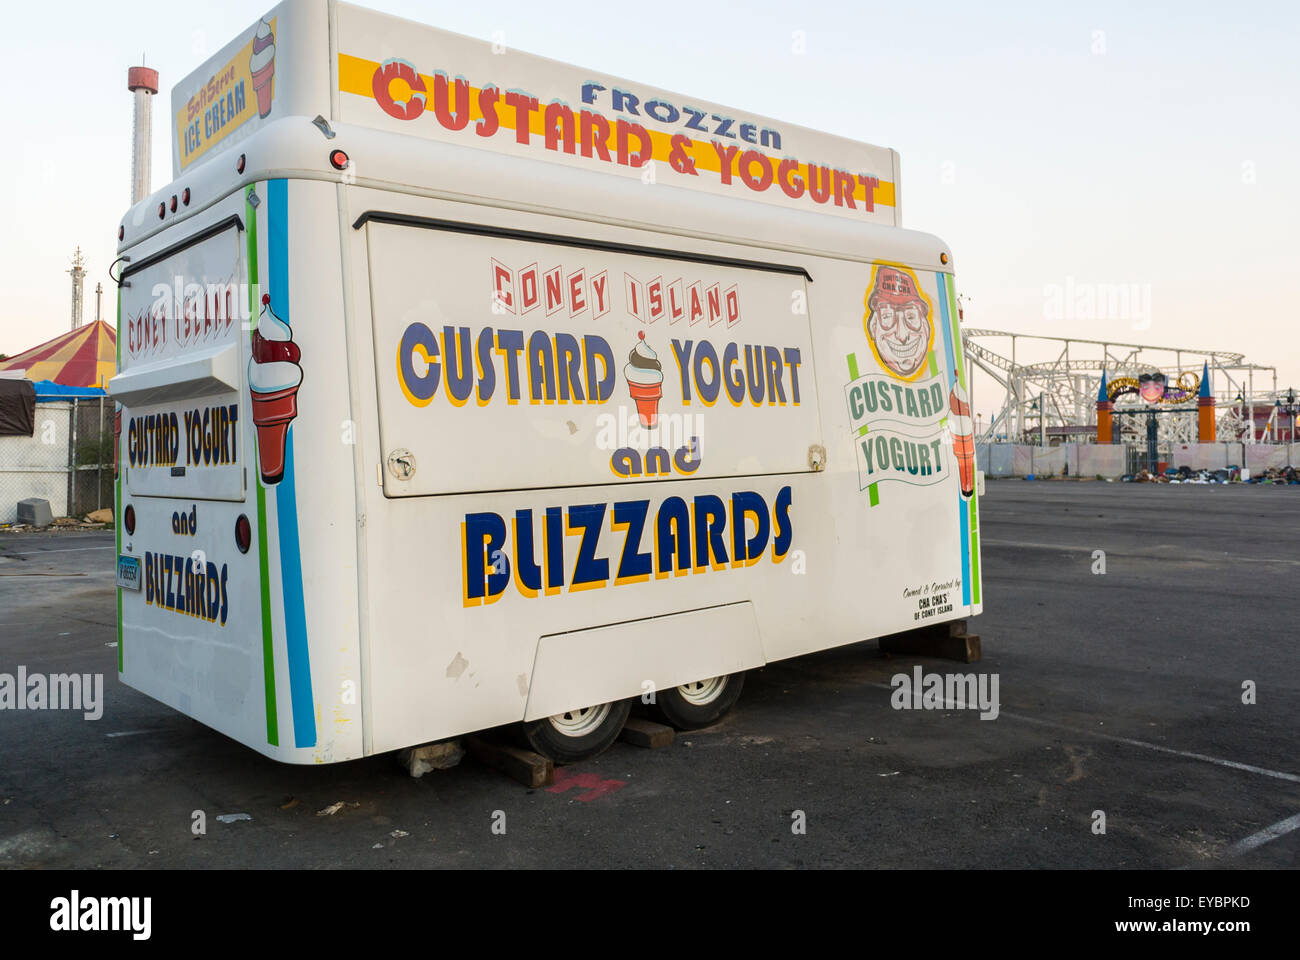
[
  {"x": 1185, "y": 754},
  {"x": 1067, "y": 548},
  {"x": 1279, "y": 829}
]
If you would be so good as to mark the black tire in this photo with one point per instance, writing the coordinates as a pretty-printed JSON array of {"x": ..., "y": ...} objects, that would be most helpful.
[
  {"x": 571, "y": 737},
  {"x": 700, "y": 704}
]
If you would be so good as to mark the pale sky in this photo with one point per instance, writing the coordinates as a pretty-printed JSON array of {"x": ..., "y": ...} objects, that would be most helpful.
[{"x": 1099, "y": 144}]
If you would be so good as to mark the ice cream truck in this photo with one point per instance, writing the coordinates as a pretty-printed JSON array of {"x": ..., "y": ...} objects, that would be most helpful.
[{"x": 460, "y": 388}]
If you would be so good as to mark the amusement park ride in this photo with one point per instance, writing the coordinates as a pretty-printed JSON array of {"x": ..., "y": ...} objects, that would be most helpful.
[{"x": 1108, "y": 392}]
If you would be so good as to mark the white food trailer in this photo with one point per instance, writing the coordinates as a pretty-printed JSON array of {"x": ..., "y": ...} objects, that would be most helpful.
[{"x": 460, "y": 388}]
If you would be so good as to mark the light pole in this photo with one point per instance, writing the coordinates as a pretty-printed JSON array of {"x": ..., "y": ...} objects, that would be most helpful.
[{"x": 1289, "y": 408}]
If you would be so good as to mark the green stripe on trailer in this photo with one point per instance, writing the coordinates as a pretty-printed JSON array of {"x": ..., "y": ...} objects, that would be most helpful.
[
  {"x": 117, "y": 490},
  {"x": 263, "y": 559},
  {"x": 117, "y": 538},
  {"x": 268, "y": 649},
  {"x": 957, "y": 351},
  {"x": 974, "y": 550},
  {"x": 932, "y": 363},
  {"x": 873, "y": 494},
  {"x": 853, "y": 366}
]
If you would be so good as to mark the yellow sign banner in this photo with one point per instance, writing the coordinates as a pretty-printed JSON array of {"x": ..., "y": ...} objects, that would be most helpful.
[{"x": 356, "y": 75}]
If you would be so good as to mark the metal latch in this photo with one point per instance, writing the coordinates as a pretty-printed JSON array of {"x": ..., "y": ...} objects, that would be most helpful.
[{"x": 401, "y": 463}]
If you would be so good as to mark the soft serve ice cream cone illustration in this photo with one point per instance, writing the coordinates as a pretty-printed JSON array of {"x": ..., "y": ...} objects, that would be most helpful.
[
  {"x": 963, "y": 437},
  {"x": 273, "y": 381},
  {"x": 262, "y": 66},
  {"x": 645, "y": 381}
]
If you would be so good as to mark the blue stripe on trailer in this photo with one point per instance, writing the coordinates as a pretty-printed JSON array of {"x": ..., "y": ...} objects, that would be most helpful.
[
  {"x": 286, "y": 499},
  {"x": 295, "y": 609},
  {"x": 963, "y": 515}
]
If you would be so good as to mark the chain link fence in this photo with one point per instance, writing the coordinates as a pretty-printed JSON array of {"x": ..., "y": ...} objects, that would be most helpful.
[
  {"x": 67, "y": 461},
  {"x": 91, "y": 466}
]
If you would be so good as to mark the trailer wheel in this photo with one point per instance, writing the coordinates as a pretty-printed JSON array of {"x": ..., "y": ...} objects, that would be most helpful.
[
  {"x": 701, "y": 703},
  {"x": 577, "y": 734}
]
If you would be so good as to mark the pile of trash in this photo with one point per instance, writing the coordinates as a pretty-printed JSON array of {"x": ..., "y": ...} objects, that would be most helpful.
[
  {"x": 1231, "y": 474},
  {"x": 1280, "y": 475}
]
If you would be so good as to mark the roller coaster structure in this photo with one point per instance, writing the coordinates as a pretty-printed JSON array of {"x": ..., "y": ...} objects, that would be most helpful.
[{"x": 1055, "y": 399}]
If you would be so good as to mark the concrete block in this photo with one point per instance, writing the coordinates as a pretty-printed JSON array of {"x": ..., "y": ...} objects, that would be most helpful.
[
  {"x": 431, "y": 756},
  {"x": 35, "y": 512}
]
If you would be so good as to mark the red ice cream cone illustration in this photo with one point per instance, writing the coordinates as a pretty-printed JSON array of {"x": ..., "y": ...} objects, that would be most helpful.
[
  {"x": 262, "y": 86},
  {"x": 272, "y": 413},
  {"x": 273, "y": 381},
  {"x": 647, "y": 401},
  {"x": 262, "y": 66},
  {"x": 645, "y": 381},
  {"x": 963, "y": 438}
]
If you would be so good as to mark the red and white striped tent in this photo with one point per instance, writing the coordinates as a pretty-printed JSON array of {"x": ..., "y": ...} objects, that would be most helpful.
[{"x": 85, "y": 357}]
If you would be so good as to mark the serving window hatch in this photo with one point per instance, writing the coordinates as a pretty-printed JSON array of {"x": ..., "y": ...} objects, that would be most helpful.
[{"x": 511, "y": 360}]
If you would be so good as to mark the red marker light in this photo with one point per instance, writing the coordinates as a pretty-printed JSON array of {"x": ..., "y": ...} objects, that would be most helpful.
[
  {"x": 185, "y": 196},
  {"x": 243, "y": 533},
  {"x": 338, "y": 160},
  {"x": 239, "y": 164},
  {"x": 121, "y": 231},
  {"x": 173, "y": 204},
  {"x": 162, "y": 210},
  {"x": 128, "y": 519}
]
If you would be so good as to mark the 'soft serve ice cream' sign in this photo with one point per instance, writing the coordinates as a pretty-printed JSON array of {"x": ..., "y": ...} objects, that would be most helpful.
[{"x": 239, "y": 89}]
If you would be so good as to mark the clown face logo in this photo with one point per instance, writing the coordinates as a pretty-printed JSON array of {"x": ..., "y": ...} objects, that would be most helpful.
[
  {"x": 898, "y": 322},
  {"x": 1151, "y": 387}
]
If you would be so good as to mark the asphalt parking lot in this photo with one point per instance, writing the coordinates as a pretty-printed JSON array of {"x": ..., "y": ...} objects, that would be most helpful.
[{"x": 1120, "y": 692}]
